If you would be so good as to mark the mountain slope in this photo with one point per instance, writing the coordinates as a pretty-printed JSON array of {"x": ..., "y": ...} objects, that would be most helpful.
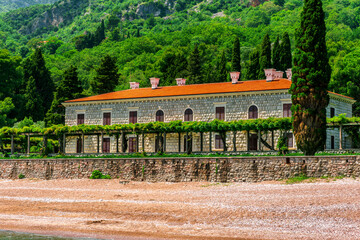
[{"x": 8, "y": 5}]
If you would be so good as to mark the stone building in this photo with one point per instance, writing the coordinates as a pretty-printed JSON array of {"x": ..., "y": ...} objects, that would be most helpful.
[{"x": 200, "y": 102}]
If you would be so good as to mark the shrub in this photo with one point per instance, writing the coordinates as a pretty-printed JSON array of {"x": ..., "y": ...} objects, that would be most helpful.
[
  {"x": 96, "y": 174},
  {"x": 21, "y": 176}
]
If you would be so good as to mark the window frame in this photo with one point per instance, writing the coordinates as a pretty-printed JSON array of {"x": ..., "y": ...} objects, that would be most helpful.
[
  {"x": 192, "y": 115},
  {"x": 77, "y": 118},
  {"x": 163, "y": 116},
  {"x": 332, "y": 112},
  {"x": 224, "y": 113},
  {"x": 133, "y": 111},
  {"x": 287, "y": 110},
  {"x": 257, "y": 112},
  {"x": 110, "y": 119}
]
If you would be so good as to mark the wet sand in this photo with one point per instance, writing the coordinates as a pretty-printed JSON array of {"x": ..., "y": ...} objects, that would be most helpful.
[{"x": 105, "y": 209}]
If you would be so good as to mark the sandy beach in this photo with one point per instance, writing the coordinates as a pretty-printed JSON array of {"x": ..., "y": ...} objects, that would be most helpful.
[{"x": 105, "y": 209}]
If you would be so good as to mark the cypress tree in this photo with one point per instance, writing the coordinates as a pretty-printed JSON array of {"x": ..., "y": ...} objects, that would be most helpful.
[
  {"x": 285, "y": 52},
  {"x": 69, "y": 88},
  {"x": 99, "y": 35},
  {"x": 265, "y": 56},
  {"x": 236, "y": 58},
  {"x": 221, "y": 69},
  {"x": 35, "y": 67},
  {"x": 34, "y": 103},
  {"x": 194, "y": 66},
  {"x": 311, "y": 76},
  {"x": 107, "y": 76},
  {"x": 276, "y": 54},
  {"x": 254, "y": 65}
]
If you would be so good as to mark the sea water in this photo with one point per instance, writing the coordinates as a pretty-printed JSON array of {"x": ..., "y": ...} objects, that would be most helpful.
[{"x": 9, "y": 235}]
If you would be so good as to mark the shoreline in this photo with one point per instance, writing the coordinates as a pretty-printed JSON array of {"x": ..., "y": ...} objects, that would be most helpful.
[{"x": 105, "y": 209}]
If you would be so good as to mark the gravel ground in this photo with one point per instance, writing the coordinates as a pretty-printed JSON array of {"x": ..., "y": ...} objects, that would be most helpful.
[{"x": 105, "y": 209}]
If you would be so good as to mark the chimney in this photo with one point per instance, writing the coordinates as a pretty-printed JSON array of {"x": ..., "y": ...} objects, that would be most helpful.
[
  {"x": 154, "y": 82},
  {"x": 289, "y": 74},
  {"x": 234, "y": 77},
  {"x": 181, "y": 81},
  {"x": 134, "y": 85},
  {"x": 279, "y": 74},
  {"x": 270, "y": 74}
]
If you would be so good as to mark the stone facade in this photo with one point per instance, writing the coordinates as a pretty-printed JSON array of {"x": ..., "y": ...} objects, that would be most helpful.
[
  {"x": 269, "y": 104},
  {"x": 230, "y": 169}
]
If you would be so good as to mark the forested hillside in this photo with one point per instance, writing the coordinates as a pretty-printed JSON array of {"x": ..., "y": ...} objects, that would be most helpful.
[
  {"x": 158, "y": 38},
  {"x": 8, "y": 5}
]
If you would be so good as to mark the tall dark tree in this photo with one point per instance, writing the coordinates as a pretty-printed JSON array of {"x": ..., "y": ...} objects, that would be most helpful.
[
  {"x": 221, "y": 69},
  {"x": 279, "y": 2},
  {"x": 236, "y": 58},
  {"x": 34, "y": 102},
  {"x": 35, "y": 68},
  {"x": 285, "y": 52},
  {"x": 311, "y": 76},
  {"x": 99, "y": 35},
  {"x": 194, "y": 67},
  {"x": 265, "y": 56},
  {"x": 68, "y": 88},
  {"x": 173, "y": 64},
  {"x": 107, "y": 76},
  {"x": 252, "y": 71},
  {"x": 276, "y": 53}
]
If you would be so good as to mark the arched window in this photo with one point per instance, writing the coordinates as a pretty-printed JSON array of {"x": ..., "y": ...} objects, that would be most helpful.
[
  {"x": 253, "y": 112},
  {"x": 160, "y": 116},
  {"x": 188, "y": 115}
]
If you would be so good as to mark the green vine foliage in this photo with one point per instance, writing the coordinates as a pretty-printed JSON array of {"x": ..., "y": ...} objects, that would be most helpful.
[
  {"x": 155, "y": 127},
  {"x": 172, "y": 127}
]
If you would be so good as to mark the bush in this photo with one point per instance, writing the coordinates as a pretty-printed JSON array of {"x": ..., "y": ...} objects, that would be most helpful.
[
  {"x": 96, "y": 174},
  {"x": 21, "y": 176}
]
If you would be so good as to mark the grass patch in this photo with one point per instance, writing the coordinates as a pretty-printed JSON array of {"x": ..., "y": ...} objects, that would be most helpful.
[{"x": 297, "y": 179}]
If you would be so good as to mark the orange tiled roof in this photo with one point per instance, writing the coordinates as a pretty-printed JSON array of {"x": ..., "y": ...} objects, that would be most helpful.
[{"x": 195, "y": 89}]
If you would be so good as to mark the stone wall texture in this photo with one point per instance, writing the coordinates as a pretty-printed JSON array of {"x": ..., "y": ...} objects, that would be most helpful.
[{"x": 229, "y": 169}]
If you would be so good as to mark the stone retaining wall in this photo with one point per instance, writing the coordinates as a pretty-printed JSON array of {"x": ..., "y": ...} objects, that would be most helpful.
[{"x": 230, "y": 169}]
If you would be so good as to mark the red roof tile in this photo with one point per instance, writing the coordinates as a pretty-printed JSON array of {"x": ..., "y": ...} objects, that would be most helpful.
[{"x": 195, "y": 89}]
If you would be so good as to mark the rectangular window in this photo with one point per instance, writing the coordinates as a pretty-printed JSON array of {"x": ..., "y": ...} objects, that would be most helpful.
[
  {"x": 220, "y": 113},
  {"x": 106, "y": 145},
  {"x": 107, "y": 118},
  {"x": 290, "y": 140},
  {"x": 332, "y": 112},
  {"x": 80, "y": 119},
  {"x": 132, "y": 144},
  {"x": 218, "y": 142},
  {"x": 287, "y": 110},
  {"x": 133, "y": 117},
  {"x": 332, "y": 142}
]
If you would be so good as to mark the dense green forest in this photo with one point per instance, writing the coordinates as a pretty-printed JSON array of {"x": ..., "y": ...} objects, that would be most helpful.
[{"x": 49, "y": 50}]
